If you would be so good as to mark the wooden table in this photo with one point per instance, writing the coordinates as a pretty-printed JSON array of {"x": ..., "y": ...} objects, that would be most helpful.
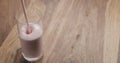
[{"x": 75, "y": 31}]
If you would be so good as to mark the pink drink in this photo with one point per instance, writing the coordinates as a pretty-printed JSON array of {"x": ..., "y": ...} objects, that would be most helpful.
[{"x": 31, "y": 42}]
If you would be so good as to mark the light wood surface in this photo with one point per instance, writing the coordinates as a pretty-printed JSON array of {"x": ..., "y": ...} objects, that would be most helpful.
[
  {"x": 7, "y": 10},
  {"x": 75, "y": 31},
  {"x": 112, "y": 32}
]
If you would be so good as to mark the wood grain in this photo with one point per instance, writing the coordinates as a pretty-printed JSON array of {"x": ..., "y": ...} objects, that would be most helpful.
[
  {"x": 75, "y": 31},
  {"x": 6, "y": 18},
  {"x": 112, "y": 32},
  {"x": 8, "y": 9}
]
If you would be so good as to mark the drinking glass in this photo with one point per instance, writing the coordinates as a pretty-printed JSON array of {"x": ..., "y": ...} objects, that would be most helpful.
[{"x": 30, "y": 39}]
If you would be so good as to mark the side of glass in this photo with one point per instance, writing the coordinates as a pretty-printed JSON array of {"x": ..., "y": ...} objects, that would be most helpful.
[{"x": 31, "y": 44}]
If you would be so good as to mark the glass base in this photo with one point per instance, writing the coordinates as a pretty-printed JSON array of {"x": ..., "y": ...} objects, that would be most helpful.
[{"x": 32, "y": 59}]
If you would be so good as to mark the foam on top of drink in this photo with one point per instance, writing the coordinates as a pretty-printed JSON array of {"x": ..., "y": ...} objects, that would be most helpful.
[{"x": 36, "y": 32}]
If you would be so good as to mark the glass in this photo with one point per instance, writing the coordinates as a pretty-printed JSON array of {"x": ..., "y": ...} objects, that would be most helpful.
[{"x": 31, "y": 42}]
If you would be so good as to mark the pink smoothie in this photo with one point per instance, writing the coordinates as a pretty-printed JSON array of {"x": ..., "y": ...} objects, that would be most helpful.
[{"x": 31, "y": 42}]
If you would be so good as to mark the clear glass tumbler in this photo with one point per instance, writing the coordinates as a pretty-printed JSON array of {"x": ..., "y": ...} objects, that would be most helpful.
[{"x": 31, "y": 43}]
